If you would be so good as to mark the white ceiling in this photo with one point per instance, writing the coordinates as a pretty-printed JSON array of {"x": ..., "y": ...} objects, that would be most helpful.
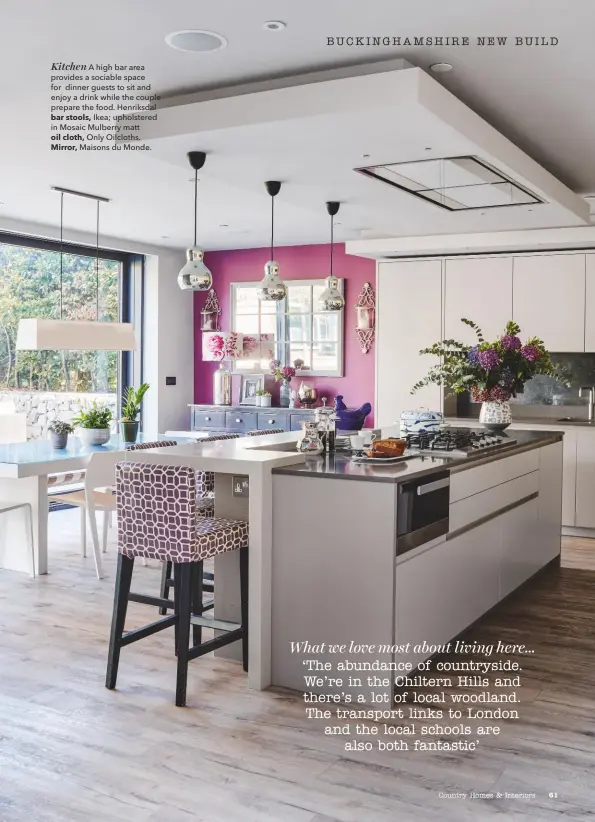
[{"x": 539, "y": 97}]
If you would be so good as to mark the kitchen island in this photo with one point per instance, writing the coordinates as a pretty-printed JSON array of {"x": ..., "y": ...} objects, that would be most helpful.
[
  {"x": 407, "y": 553},
  {"x": 332, "y": 556}
]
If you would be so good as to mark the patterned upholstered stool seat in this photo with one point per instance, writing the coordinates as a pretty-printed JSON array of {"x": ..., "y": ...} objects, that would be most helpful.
[
  {"x": 157, "y": 519},
  {"x": 266, "y": 431}
]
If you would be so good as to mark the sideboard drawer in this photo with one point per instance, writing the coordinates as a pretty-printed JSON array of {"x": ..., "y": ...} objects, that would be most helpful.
[
  {"x": 240, "y": 421},
  {"x": 295, "y": 420},
  {"x": 272, "y": 419},
  {"x": 207, "y": 419}
]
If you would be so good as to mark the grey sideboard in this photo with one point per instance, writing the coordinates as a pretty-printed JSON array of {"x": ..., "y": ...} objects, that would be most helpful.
[{"x": 243, "y": 418}]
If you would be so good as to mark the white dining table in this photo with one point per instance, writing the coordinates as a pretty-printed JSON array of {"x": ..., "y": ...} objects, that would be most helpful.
[{"x": 24, "y": 469}]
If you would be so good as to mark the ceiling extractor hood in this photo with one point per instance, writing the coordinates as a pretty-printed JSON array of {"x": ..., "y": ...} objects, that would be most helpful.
[{"x": 454, "y": 183}]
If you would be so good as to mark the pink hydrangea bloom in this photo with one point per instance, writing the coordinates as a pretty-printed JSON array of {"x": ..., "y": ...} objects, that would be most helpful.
[{"x": 530, "y": 352}]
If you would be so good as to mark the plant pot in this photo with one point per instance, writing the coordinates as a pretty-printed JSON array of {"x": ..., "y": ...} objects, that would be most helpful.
[
  {"x": 265, "y": 402},
  {"x": 58, "y": 440},
  {"x": 94, "y": 436},
  {"x": 495, "y": 416},
  {"x": 129, "y": 431}
]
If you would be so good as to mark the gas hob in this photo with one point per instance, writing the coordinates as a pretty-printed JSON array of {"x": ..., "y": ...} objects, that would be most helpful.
[{"x": 457, "y": 442}]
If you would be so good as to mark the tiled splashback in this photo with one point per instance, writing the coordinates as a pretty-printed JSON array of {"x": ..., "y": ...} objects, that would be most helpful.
[{"x": 541, "y": 390}]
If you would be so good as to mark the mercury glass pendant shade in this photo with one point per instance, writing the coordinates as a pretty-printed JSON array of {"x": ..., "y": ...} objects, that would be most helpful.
[
  {"x": 195, "y": 276},
  {"x": 331, "y": 298},
  {"x": 272, "y": 287}
]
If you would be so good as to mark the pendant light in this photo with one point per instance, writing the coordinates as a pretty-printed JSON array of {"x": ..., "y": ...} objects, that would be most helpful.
[
  {"x": 40, "y": 334},
  {"x": 195, "y": 276},
  {"x": 331, "y": 298},
  {"x": 272, "y": 287}
]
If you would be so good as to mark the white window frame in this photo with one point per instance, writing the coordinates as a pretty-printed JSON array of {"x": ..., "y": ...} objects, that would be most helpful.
[{"x": 305, "y": 372}]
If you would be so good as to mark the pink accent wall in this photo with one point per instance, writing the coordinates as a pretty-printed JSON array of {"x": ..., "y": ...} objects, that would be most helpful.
[{"x": 297, "y": 263}]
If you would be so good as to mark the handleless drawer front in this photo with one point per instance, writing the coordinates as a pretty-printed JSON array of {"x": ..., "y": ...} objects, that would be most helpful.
[
  {"x": 473, "y": 480},
  {"x": 295, "y": 421},
  {"x": 473, "y": 509},
  {"x": 240, "y": 421},
  {"x": 272, "y": 419},
  {"x": 208, "y": 419}
]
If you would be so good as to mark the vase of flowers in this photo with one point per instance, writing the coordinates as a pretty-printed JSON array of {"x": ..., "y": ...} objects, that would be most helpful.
[
  {"x": 283, "y": 375},
  {"x": 492, "y": 372}
]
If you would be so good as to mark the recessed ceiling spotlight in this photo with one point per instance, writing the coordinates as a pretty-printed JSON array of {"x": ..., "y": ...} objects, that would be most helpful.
[
  {"x": 274, "y": 25},
  {"x": 196, "y": 40},
  {"x": 165, "y": 237},
  {"x": 365, "y": 156},
  {"x": 428, "y": 148},
  {"x": 223, "y": 225},
  {"x": 440, "y": 68}
]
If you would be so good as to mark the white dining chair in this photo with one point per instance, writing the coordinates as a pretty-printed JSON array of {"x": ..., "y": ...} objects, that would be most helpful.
[
  {"x": 100, "y": 473},
  {"x": 5, "y": 507}
]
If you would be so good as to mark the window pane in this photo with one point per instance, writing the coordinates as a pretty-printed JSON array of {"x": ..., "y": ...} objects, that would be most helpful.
[
  {"x": 325, "y": 357},
  {"x": 247, "y": 301},
  {"x": 301, "y": 351},
  {"x": 268, "y": 324},
  {"x": 326, "y": 327},
  {"x": 247, "y": 324},
  {"x": 267, "y": 307},
  {"x": 299, "y": 299},
  {"x": 299, "y": 327},
  {"x": 316, "y": 292}
]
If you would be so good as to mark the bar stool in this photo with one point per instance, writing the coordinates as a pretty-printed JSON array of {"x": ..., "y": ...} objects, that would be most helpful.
[
  {"x": 205, "y": 507},
  {"x": 157, "y": 520},
  {"x": 145, "y": 446},
  {"x": 266, "y": 431}
]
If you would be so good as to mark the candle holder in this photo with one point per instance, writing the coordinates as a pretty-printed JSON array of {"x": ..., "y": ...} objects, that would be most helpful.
[
  {"x": 365, "y": 308},
  {"x": 211, "y": 312}
]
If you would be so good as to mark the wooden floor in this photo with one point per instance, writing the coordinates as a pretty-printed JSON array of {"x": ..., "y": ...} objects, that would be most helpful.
[{"x": 71, "y": 750}]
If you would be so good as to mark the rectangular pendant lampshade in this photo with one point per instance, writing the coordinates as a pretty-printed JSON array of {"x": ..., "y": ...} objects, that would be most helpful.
[{"x": 74, "y": 335}]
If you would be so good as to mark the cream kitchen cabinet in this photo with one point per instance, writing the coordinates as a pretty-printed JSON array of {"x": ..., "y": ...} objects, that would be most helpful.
[
  {"x": 585, "y": 479},
  {"x": 480, "y": 289},
  {"x": 549, "y": 299},
  {"x": 590, "y": 302},
  {"x": 409, "y": 317}
]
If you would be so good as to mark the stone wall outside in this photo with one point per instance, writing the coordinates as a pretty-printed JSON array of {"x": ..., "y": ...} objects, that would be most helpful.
[{"x": 43, "y": 407}]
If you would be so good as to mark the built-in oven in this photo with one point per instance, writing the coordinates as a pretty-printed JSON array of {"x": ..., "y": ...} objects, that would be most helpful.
[{"x": 422, "y": 510}]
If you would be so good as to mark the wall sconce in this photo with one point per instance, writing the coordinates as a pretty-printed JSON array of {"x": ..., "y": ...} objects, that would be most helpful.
[
  {"x": 211, "y": 312},
  {"x": 365, "y": 309}
]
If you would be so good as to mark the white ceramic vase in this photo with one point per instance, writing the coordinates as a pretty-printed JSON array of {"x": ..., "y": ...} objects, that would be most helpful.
[{"x": 495, "y": 416}]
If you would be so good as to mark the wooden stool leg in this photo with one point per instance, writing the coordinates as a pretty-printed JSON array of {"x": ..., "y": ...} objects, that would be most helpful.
[
  {"x": 244, "y": 603},
  {"x": 165, "y": 584},
  {"x": 182, "y": 598},
  {"x": 121, "y": 592},
  {"x": 197, "y": 604}
]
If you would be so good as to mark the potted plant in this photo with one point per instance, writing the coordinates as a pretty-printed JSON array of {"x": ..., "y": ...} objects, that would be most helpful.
[
  {"x": 59, "y": 431},
  {"x": 492, "y": 372},
  {"x": 93, "y": 424},
  {"x": 131, "y": 408},
  {"x": 264, "y": 398}
]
